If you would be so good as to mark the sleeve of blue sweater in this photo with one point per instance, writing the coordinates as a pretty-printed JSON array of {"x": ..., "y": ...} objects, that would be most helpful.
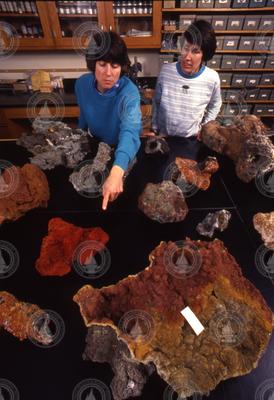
[{"x": 130, "y": 129}]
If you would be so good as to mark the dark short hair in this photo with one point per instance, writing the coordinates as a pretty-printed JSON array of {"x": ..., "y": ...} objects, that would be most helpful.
[
  {"x": 201, "y": 33},
  {"x": 110, "y": 48}
]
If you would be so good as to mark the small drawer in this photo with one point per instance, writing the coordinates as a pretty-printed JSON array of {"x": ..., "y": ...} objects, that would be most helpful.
[
  {"x": 231, "y": 42},
  {"x": 260, "y": 109},
  {"x": 246, "y": 43},
  {"x": 207, "y": 18},
  {"x": 252, "y": 23},
  {"x": 267, "y": 23},
  {"x": 215, "y": 62},
  {"x": 188, "y": 3},
  {"x": 228, "y": 62},
  {"x": 223, "y": 3},
  {"x": 225, "y": 78},
  {"x": 206, "y": 4},
  {"x": 264, "y": 94},
  {"x": 252, "y": 94},
  {"x": 252, "y": 80},
  {"x": 257, "y": 3},
  {"x": 263, "y": 43},
  {"x": 186, "y": 20},
  {"x": 232, "y": 95},
  {"x": 238, "y": 80},
  {"x": 246, "y": 108},
  {"x": 257, "y": 62},
  {"x": 230, "y": 110},
  {"x": 240, "y": 4},
  {"x": 269, "y": 63},
  {"x": 219, "y": 42},
  {"x": 269, "y": 109},
  {"x": 219, "y": 23},
  {"x": 242, "y": 62},
  {"x": 235, "y": 22},
  {"x": 267, "y": 79}
]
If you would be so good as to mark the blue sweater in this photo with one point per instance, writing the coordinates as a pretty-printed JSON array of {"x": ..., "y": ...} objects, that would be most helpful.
[{"x": 113, "y": 116}]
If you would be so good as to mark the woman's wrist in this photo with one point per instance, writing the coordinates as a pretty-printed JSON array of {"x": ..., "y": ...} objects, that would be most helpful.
[{"x": 117, "y": 171}]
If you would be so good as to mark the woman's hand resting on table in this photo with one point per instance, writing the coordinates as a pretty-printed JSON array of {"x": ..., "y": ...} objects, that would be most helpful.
[{"x": 113, "y": 185}]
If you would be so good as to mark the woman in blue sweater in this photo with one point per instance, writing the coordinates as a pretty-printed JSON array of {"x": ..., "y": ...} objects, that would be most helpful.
[{"x": 110, "y": 106}]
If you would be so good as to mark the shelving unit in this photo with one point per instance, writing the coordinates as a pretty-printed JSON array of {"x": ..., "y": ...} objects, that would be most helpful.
[{"x": 174, "y": 29}]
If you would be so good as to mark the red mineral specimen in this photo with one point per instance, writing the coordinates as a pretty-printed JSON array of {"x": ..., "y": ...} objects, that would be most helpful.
[{"x": 59, "y": 245}]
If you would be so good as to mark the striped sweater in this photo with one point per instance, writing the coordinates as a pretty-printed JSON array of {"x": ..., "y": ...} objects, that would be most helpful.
[{"x": 182, "y": 103}]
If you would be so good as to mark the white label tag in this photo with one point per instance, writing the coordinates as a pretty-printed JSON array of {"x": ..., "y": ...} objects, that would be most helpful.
[{"x": 192, "y": 320}]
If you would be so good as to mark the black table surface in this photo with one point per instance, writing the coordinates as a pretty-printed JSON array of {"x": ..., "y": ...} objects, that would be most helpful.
[{"x": 53, "y": 373}]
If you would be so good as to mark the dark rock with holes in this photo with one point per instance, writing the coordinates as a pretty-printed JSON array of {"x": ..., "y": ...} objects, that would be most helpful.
[
  {"x": 54, "y": 143},
  {"x": 218, "y": 220},
  {"x": 130, "y": 376},
  {"x": 156, "y": 145},
  {"x": 256, "y": 158}
]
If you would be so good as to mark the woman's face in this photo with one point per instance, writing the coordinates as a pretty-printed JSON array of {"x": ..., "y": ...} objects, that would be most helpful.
[
  {"x": 192, "y": 56},
  {"x": 106, "y": 74}
]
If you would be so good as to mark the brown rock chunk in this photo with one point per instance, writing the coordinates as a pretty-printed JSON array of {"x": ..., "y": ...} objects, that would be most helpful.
[
  {"x": 264, "y": 224},
  {"x": 197, "y": 174},
  {"x": 22, "y": 320},
  {"x": 163, "y": 202},
  {"x": 236, "y": 318},
  {"x": 245, "y": 142},
  {"x": 30, "y": 191}
]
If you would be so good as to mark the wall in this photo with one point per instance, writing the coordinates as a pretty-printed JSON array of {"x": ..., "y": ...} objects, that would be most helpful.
[{"x": 67, "y": 60}]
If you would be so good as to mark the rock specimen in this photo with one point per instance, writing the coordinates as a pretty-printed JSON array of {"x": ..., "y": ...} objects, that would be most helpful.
[
  {"x": 264, "y": 224},
  {"x": 54, "y": 143},
  {"x": 218, "y": 220},
  {"x": 236, "y": 318},
  {"x": 130, "y": 376},
  {"x": 156, "y": 144},
  {"x": 31, "y": 190},
  {"x": 245, "y": 142},
  {"x": 84, "y": 179},
  {"x": 163, "y": 202},
  {"x": 23, "y": 320},
  {"x": 58, "y": 247},
  {"x": 197, "y": 174}
]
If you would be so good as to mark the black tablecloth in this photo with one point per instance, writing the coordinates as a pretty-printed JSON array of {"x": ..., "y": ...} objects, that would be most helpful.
[{"x": 52, "y": 373}]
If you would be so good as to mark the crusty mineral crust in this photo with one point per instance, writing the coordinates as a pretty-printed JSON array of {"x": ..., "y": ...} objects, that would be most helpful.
[
  {"x": 18, "y": 318},
  {"x": 163, "y": 202},
  {"x": 197, "y": 174},
  {"x": 264, "y": 224},
  {"x": 59, "y": 245},
  {"x": 245, "y": 142},
  {"x": 31, "y": 192},
  {"x": 180, "y": 356},
  {"x": 130, "y": 375}
]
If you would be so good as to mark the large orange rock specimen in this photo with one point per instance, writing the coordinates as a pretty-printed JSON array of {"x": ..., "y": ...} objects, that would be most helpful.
[{"x": 204, "y": 276}]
